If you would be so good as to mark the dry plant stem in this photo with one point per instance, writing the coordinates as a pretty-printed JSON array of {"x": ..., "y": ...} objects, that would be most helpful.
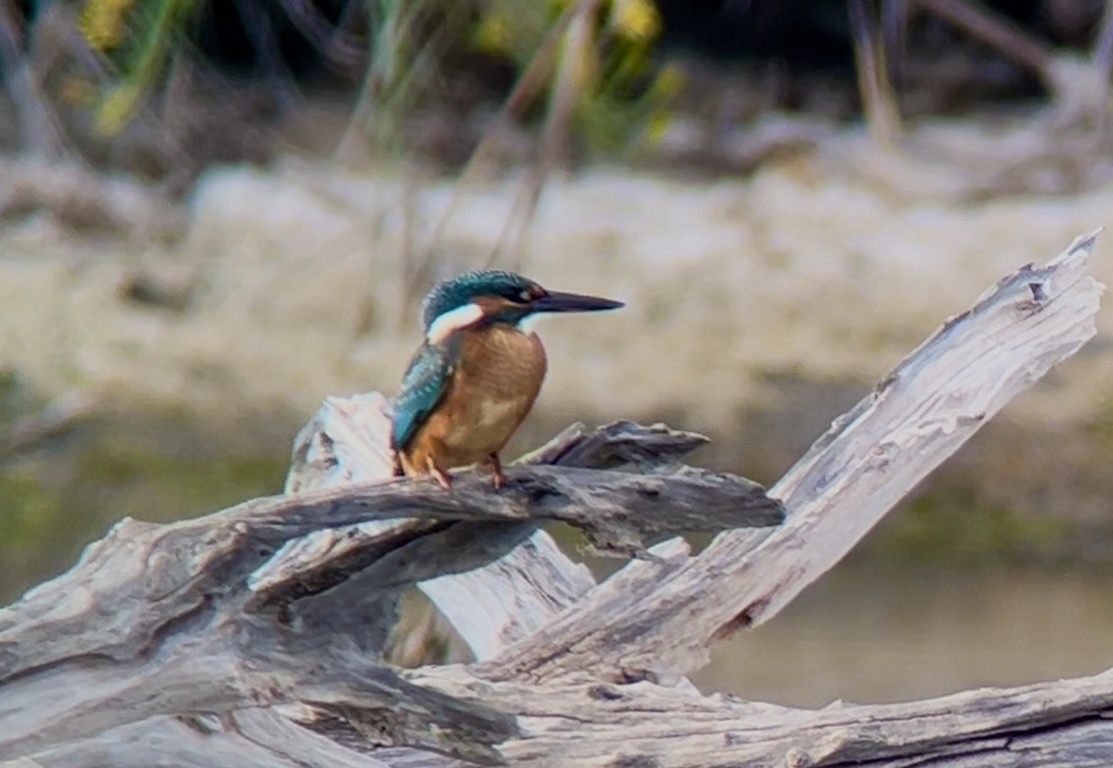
[
  {"x": 1102, "y": 56},
  {"x": 1102, "y": 61},
  {"x": 893, "y": 36},
  {"x": 526, "y": 89},
  {"x": 995, "y": 32},
  {"x": 876, "y": 91},
  {"x": 354, "y": 132},
  {"x": 415, "y": 272},
  {"x": 40, "y": 132},
  {"x": 395, "y": 26},
  {"x": 337, "y": 45},
  {"x": 572, "y": 76}
]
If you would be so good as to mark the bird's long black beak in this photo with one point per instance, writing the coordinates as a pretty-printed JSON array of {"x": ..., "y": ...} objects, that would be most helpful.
[{"x": 555, "y": 301}]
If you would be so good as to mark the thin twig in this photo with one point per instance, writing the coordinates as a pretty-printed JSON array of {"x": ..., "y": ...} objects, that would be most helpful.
[
  {"x": 40, "y": 131},
  {"x": 997, "y": 33},
  {"x": 894, "y": 32},
  {"x": 526, "y": 89},
  {"x": 1102, "y": 62},
  {"x": 882, "y": 115},
  {"x": 572, "y": 75},
  {"x": 1102, "y": 57}
]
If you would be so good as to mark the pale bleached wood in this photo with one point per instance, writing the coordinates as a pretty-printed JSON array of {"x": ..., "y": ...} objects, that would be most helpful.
[
  {"x": 347, "y": 442},
  {"x": 930, "y": 404},
  {"x": 223, "y": 665},
  {"x": 595, "y": 724},
  {"x": 171, "y": 570},
  {"x": 589, "y": 723},
  {"x": 198, "y": 617},
  {"x": 258, "y": 737},
  {"x": 186, "y": 618}
]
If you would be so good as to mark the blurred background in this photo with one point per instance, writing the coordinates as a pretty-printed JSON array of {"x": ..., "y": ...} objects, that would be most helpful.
[{"x": 215, "y": 213}]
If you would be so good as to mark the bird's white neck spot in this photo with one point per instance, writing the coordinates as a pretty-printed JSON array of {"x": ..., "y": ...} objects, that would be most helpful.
[
  {"x": 528, "y": 324},
  {"x": 452, "y": 321}
]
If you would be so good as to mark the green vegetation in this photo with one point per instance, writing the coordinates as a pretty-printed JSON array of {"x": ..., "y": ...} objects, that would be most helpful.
[
  {"x": 618, "y": 92},
  {"x": 139, "y": 36}
]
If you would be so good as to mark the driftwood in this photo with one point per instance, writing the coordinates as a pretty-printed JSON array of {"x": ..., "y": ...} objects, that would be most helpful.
[{"x": 255, "y": 636}]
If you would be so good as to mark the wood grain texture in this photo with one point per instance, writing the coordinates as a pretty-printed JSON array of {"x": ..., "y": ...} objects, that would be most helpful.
[
  {"x": 194, "y": 617},
  {"x": 254, "y": 636},
  {"x": 589, "y": 723},
  {"x": 927, "y": 407},
  {"x": 348, "y": 442}
]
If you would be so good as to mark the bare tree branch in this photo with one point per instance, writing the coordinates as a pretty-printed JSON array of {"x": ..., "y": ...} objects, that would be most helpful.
[
  {"x": 917, "y": 416},
  {"x": 256, "y": 634}
]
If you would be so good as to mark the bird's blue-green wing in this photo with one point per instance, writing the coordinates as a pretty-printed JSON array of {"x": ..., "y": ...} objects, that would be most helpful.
[{"x": 423, "y": 386}]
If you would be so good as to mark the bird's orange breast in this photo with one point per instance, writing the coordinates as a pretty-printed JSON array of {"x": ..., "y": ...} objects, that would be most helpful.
[{"x": 495, "y": 382}]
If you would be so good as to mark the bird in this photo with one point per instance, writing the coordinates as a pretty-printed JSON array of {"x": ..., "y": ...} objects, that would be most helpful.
[{"x": 477, "y": 373}]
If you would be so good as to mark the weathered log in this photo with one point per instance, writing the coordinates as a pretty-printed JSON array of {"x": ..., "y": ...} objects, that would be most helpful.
[
  {"x": 347, "y": 442},
  {"x": 589, "y": 723},
  {"x": 178, "y": 602},
  {"x": 124, "y": 658},
  {"x": 930, "y": 404}
]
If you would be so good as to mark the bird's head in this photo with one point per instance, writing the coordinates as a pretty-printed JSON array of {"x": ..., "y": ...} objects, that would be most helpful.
[{"x": 494, "y": 296}]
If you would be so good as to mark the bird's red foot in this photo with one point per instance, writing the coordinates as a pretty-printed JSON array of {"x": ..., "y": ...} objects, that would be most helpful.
[
  {"x": 443, "y": 478},
  {"x": 396, "y": 464},
  {"x": 497, "y": 475}
]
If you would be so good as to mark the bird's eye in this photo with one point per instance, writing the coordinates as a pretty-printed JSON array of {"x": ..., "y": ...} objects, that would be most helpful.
[{"x": 525, "y": 294}]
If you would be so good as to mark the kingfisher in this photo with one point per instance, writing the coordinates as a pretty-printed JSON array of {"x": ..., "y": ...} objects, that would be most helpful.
[{"x": 477, "y": 373}]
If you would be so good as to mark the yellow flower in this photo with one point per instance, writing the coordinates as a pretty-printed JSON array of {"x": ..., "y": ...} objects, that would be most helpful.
[
  {"x": 102, "y": 22},
  {"x": 636, "y": 20}
]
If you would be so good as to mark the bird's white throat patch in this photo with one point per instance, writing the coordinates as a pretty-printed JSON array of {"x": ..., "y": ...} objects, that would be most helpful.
[
  {"x": 452, "y": 321},
  {"x": 528, "y": 324}
]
